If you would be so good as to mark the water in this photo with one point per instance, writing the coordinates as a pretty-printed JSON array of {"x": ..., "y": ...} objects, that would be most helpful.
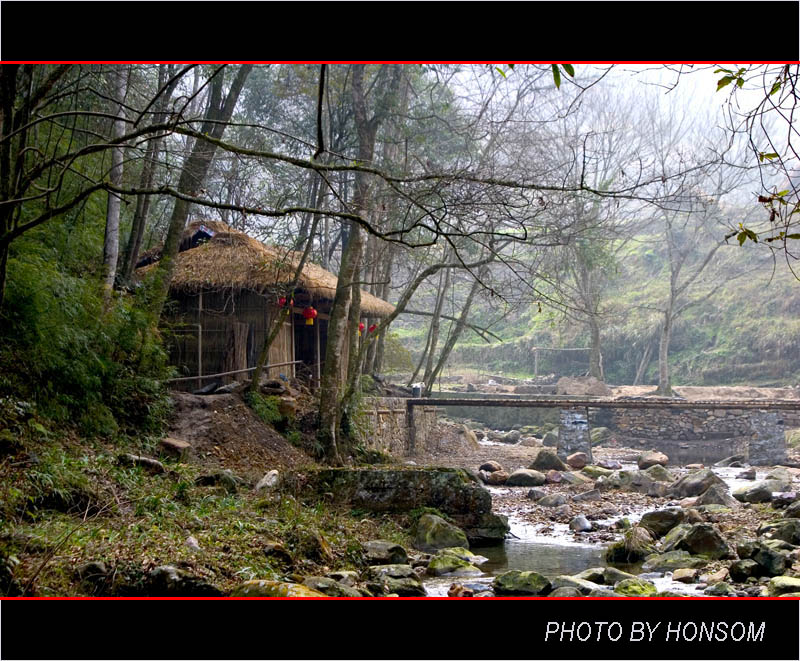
[{"x": 557, "y": 553}]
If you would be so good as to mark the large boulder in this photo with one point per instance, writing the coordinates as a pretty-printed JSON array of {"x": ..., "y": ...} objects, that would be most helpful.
[
  {"x": 550, "y": 439},
  {"x": 593, "y": 472},
  {"x": 636, "y": 544},
  {"x": 496, "y": 478},
  {"x": 783, "y": 585},
  {"x": 672, "y": 560},
  {"x": 485, "y": 528},
  {"x": 660, "y": 522},
  {"x": 447, "y": 564},
  {"x": 717, "y": 494},
  {"x": 330, "y": 587},
  {"x": 552, "y": 500},
  {"x": 517, "y": 582},
  {"x": 490, "y": 466},
  {"x": 169, "y": 581},
  {"x": 637, "y": 481},
  {"x": 758, "y": 492},
  {"x": 382, "y": 552},
  {"x": 401, "y": 580},
  {"x": 696, "y": 483},
  {"x": 582, "y": 386},
  {"x": 548, "y": 460},
  {"x": 660, "y": 474},
  {"x": 600, "y": 435},
  {"x": 525, "y": 477},
  {"x": 787, "y": 530},
  {"x": 698, "y": 539},
  {"x": 652, "y": 458},
  {"x": 275, "y": 589},
  {"x": 434, "y": 533},
  {"x": 580, "y": 584}
]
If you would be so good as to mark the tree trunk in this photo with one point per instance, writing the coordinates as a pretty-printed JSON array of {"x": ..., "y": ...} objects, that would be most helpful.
[
  {"x": 643, "y": 364},
  {"x": 193, "y": 176},
  {"x": 111, "y": 242},
  {"x": 664, "y": 384},
  {"x": 451, "y": 341},
  {"x": 444, "y": 285},
  {"x": 595, "y": 354}
]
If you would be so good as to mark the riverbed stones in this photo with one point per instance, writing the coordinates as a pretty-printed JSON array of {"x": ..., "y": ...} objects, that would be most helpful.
[
  {"x": 780, "y": 474},
  {"x": 434, "y": 533},
  {"x": 552, "y": 477},
  {"x": 594, "y": 472},
  {"x": 672, "y": 560},
  {"x": 585, "y": 496},
  {"x": 169, "y": 581},
  {"x": 525, "y": 477},
  {"x": 637, "y": 481},
  {"x": 696, "y": 483},
  {"x": 684, "y": 575},
  {"x": 582, "y": 385},
  {"x": 383, "y": 552},
  {"x": 784, "y": 499},
  {"x": 512, "y": 436},
  {"x": 497, "y": 478},
  {"x": 580, "y": 524},
  {"x": 574, "y": 477},
  {"x": 747, "y": 474},
  {"x": 635, "y": 545},
  {"x": 566, "y": 592},
  {"x": 546, "y": 460},
  {"x": 593, "y": 574},
  {"x": 330, "y": 587},
  {"x": 552, "y": 500},
  {"x": 721, "y": 589},
  {"x": 582, "y": 585},
  {"x": 536, "y": 494},
  {"x": 660, "y": 522},
  {"x": 516, "y": 582},
  {"x": 635, "y": 587},
  {"x": 490, "y": 467},
  {"x": 577, "y": 460},
  {"x": 609, "y": 464},
  {"x": 264, "y": 588},
  {"x": 733, "y": 459},
  {"x": 612, "y": 576},
  {"x": 652, "y": 458},
  {"x": 771, "y": 561}
]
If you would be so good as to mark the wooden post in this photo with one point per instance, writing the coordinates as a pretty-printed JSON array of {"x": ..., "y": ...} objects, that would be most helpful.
[
  {"x": 200, "y": 339},
  {"x": 318, "y": 358},
  {"x": 412, "y": 431},
  {"x": 536, "y": 362}
]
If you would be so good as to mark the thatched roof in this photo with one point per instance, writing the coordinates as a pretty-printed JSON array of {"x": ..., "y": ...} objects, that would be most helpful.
[{"x": 233, "y": 260}]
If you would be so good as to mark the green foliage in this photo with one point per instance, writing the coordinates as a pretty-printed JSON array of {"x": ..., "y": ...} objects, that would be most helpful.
[
  {"x": 82, "y": 359},
  {"x": 396, "y": 357},
  {"x": 266, "y": 408}
]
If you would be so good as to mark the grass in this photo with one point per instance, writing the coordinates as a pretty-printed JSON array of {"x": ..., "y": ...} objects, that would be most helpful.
[{"x": 134, "y": 521}]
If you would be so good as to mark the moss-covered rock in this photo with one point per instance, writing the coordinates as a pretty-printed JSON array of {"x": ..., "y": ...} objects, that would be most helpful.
[
  {"x": 330, "y": 587},
  {"x": 660, "y": 474},
  {"x": 434, "y": 533},
  {"x": 451, "y": 565},
  {"x": 783, "y": 584},
  {"x": 517, "y": 582},
  {"x": 635, "y": 545},
  {"x": 594, "y": 472},
  {"x": 584, "y": 586},
  {"x": 635, "y": 587},
  {"x": 275, "y": 589},
  {"x": 600, "y": 434},
  {"x": 673, "y": 560}
]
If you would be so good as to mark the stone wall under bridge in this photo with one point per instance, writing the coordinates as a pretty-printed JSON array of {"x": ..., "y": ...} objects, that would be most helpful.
[
  {"x": 382, "y": 424},
  {"x": 699, "y": 435}
]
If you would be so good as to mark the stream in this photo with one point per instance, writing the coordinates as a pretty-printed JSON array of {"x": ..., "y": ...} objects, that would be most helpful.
[{"x": 557, "y": 553}]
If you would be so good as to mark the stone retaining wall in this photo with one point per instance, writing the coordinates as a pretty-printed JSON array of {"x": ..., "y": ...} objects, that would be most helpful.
[
  {"x": 382, "y": 425},
  {"x": 703, "y": 435}
]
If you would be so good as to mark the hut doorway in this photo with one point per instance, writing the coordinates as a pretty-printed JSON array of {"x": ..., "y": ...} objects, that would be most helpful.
[{"x": 309, "y": 347}]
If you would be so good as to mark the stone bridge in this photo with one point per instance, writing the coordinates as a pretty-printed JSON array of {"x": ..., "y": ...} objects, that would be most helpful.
[{"x": 756, "y": 425}]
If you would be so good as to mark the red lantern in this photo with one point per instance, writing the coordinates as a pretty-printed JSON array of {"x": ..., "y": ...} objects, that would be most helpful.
[
  {"x": 373, "y": 327},
  {"x": 309, "y": 314},
  {"x": 282, "y": 301},
  {"x": 361, "y": 328}
]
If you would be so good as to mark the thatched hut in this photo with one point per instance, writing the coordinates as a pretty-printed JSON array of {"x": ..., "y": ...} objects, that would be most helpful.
[{"x": 224, "y": 296}]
